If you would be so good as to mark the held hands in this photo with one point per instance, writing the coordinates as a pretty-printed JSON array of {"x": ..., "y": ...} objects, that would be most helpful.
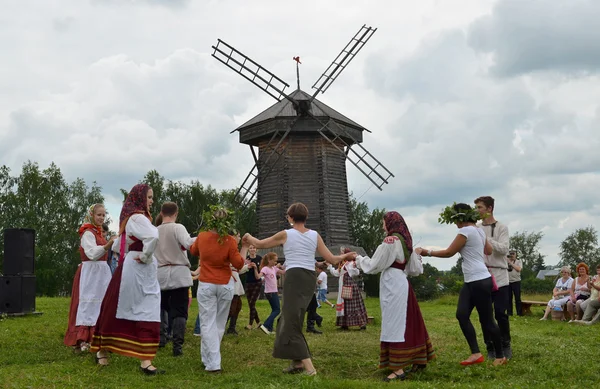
[
  {"x": 247, "y": 239},
  {"x": 420, "y": 251},
  {"x": 351, "y": 256}
]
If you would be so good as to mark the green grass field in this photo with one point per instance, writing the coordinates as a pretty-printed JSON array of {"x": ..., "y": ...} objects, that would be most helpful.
[{"x": 546, "y": 354}]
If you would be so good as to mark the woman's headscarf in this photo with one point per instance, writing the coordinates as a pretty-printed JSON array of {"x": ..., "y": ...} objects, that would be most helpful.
[
  {"x": 395, "y": 224},
  {"x": 136, "y": 202},
  {"x": 88, "y": 221}
]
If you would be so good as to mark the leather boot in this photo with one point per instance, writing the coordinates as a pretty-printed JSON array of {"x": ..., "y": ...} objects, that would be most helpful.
[
  {"x": 232, "y": 323},
  {"x": 178, "y": 335},
  {"x": 164, "y": 324},
  {"x": 310, "y": 327}
]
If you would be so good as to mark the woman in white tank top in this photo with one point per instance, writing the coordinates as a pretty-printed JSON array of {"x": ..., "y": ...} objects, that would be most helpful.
[{"x": 299, "y": 247}]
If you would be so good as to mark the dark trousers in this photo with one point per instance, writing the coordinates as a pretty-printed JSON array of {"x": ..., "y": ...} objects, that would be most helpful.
[
  {"x": 515, "y": 289},
  {"x": 478, "y": 295},
  {"x": 312, "y": 316},
  {"x": 173, "y": 312},
  {"x": 273, "y": 299},
  {"x": 501, "y": 301},
  {"x": 175, "y": 302}
]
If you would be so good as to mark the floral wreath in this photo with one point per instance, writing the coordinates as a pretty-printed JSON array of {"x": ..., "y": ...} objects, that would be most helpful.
[{"x": 450, "y": 215}]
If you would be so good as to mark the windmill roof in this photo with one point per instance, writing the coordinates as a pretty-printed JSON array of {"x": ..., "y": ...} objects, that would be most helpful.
[{"x": 285, "y": 109}]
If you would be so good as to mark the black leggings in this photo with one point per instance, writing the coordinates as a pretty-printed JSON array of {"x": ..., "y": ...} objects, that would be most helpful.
[{"x": 478, "y": 294}]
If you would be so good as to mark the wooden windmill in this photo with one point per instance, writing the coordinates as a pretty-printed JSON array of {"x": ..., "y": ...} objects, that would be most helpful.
[{"x": 302, "y": 146}]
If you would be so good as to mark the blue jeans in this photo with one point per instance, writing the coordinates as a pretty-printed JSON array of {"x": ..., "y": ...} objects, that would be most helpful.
[
  {"x": 321, "y": 295},
  {"x": 275, "y": 309},
  {"x": 197, "y": 325}
]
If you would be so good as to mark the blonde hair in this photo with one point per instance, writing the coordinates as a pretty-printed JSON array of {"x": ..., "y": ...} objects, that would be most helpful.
[{"x": 565, "y": 268}]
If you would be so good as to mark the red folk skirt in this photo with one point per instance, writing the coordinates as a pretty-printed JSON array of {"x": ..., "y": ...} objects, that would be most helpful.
[
  {"x": 137, "y": 339},
  {"x": 76, "y": 334},
  {"x": 416, "y": 348}
]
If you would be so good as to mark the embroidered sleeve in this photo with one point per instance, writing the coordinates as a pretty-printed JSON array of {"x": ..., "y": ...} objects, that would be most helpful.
[{"x": 383, "y": 257}]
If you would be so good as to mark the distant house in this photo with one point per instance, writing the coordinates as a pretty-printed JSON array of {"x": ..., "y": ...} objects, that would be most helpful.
[{"x": 545, "y": 274}]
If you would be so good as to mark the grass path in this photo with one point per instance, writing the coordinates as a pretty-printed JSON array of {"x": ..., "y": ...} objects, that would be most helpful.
[{"x": 546, "y": 355}]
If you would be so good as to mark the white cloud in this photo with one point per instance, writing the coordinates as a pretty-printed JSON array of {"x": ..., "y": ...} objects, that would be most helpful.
[{"x": 462, "y": 98}]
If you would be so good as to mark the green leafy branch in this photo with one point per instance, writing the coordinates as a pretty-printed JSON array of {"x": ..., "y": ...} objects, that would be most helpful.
[{"x": 450, "y": 215}]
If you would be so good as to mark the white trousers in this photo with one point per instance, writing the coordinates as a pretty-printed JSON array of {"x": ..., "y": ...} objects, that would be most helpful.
[
  {"x": 213, "y": 304},
  {"x": 558, "y": 303}
]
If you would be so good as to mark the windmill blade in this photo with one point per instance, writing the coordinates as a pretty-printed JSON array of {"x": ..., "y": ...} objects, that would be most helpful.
[
  {"x": 343, "y": 59},
  {"x": 364, "y": 161},
  {"x": 250, "y": 70},
  {"x": 247, "y": 191}
]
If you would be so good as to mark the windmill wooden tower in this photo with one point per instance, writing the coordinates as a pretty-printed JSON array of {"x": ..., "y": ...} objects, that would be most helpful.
[{"x": 302, "y": 146}]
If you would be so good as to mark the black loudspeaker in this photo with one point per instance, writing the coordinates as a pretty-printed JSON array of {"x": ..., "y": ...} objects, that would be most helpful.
[
  {"x": 19, "y": 251},
  {"x": 17, "y": 294}
]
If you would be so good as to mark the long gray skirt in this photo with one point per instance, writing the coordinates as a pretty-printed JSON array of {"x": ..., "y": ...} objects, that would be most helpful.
[{"x": 298, "y": 290}]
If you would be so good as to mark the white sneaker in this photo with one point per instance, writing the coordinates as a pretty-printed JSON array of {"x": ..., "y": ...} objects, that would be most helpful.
[
  {"x": 195, "y": 334},
  {"x": 265, "y": 329}
]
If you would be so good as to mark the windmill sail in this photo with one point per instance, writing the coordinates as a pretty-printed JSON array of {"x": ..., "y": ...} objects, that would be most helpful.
[
  {"x": 250, "y": 70},
  {"x": 343, "y": 59}
]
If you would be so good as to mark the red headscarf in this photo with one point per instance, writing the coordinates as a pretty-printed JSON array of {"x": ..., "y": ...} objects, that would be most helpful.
[
  {"x": 395, "y": 224},
  {"x": 89, "y": 222},
  {"x": 136, "y": 202}
]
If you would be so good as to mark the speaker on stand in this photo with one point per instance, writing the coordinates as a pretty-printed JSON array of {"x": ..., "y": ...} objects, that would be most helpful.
[{"x": 17, "y": 285}]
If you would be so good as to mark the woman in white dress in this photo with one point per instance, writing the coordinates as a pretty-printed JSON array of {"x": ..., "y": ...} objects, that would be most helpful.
[
  {"x": 90, "y": 281},
  {"x": 561, "y": 293},
  {"x": 404, "y": 338},
  {"x": 129, "y": 321}
]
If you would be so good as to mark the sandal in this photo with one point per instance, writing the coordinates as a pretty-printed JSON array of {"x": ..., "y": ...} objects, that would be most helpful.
[
  {"x": 310, "y": 373},
  {"x": 399, "y": 377},
  {"x": 293, "y": 369},
  {"x": 98, "y": 359},
  {"x": 146, "y": 370}
]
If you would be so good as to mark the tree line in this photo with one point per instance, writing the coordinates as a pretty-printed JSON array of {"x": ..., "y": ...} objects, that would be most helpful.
[{"x": 45, "y": 201}]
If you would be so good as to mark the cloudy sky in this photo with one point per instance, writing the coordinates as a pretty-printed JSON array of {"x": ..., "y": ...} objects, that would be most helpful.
[{"x": 463, "y": 98}]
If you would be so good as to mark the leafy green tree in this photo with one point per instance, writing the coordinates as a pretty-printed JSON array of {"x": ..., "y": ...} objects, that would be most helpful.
[
  {"x": 580, "y": 246},
  {"x": 527, "y": 245},
  {"x": 44, "y": 201},
  {"x": 366, "y": 226}
]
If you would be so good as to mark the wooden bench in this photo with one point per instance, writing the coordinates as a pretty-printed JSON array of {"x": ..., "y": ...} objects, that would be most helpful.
[
  {"x": 526, "y": 308},
  {"x": 526, "y": 305}
]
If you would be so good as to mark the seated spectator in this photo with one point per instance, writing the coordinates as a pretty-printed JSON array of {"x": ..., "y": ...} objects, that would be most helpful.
[
  {"x": 561, "y": 293},
  {"x": 580, "y": 290},
  {"x": 591, "y": 306}
]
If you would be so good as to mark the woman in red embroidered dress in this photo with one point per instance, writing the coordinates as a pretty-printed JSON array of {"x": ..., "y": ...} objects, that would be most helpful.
[
  {"x": 90, "y": 281},
  {"x": 129, "y": 322}
]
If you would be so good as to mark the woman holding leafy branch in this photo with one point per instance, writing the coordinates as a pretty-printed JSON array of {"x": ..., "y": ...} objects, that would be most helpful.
[
  {"x": 476, "y": 292},
  {"x": 217, "y": 251},
  {"x": 299, "y": 246}
]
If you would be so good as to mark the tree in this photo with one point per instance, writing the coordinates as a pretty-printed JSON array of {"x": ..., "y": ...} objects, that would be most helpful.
[
  {"x": 366, "y": 229},
  {"x": 457, "y": 269},
  {"x": 527, "y": 247},
  {"x": 580, "y": 246},
  {"x": 44, "y": 201}
]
